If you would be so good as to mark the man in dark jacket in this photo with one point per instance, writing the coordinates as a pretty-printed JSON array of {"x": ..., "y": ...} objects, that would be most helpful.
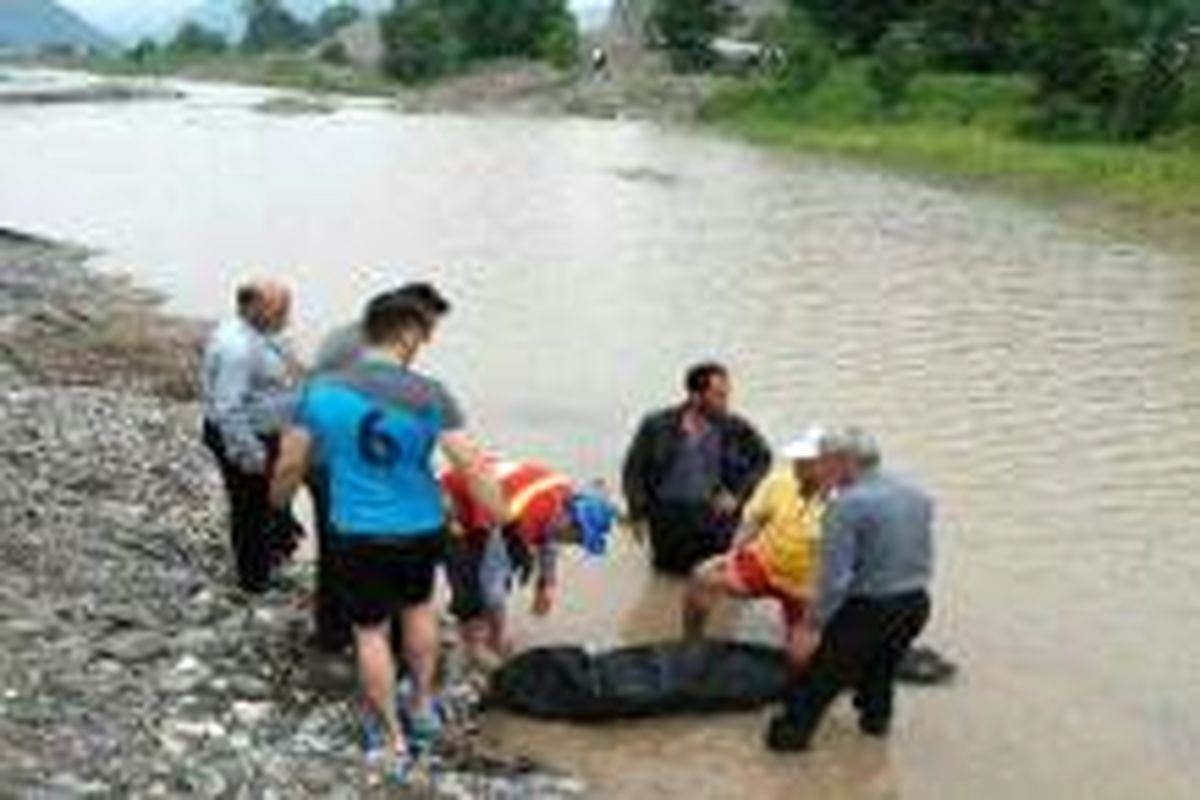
[{"x": 689, "y": 470}]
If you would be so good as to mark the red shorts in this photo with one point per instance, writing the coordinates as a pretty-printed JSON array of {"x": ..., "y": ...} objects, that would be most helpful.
[{"x": 753, "y": 578}]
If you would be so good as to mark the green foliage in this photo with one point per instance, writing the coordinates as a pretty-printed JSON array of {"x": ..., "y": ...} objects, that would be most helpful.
[
  {"x": 859, "y": 24},
  {"x": 145, "y": 51},
  {"x": 1154, "y": 85},
  {"x": 430, "y": 38},
  {"x": 270, "y": 26},
  {"x": 980, "y": 35},
  {"x": 686, "y": 29},
  {"x": 334, "y": 18},
  {"x": 192, "y": 38},
  {"x": 422, "y": 43},
  {"x": 1110, "y": 68},
  {"x": 334, "y": 52},
  {"x": 898, "y": 60},
  {"x": 558, "y": 43},
  {"x": 801, "y": 55},
  {"x": 969, "y": 125}
]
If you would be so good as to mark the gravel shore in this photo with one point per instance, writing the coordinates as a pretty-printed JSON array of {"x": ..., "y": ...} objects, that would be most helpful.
[{"x": 128, "y": 664}]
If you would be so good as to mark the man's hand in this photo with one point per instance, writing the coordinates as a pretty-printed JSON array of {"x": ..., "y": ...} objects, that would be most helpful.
[
  {"x": 543, "y": 600},
  {"x": 725, "y": 504},
  {"x": 803, "y": 641}
]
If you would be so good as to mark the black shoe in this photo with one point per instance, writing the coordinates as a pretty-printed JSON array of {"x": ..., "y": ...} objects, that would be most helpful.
[
  {"x": 877, "y": 728},
  {"x": 786, "y": 736}
]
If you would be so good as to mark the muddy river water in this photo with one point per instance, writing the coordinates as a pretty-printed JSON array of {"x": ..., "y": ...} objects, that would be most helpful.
[{"x": 1042, "y": 378}]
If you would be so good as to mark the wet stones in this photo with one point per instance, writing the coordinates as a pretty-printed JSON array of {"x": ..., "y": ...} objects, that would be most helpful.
[{"x": 128, "y": 666}]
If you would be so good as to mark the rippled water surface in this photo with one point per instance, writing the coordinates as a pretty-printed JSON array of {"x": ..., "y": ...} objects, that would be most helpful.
[{"x": 1042, "y": 378}]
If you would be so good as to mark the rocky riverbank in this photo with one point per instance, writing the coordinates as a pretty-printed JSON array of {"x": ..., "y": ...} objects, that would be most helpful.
[{"x": 128, "y": 666}]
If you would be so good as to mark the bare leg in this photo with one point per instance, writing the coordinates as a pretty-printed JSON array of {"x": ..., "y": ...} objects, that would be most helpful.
[
  {"x": 420, "y": 651},
  {"x": 377, "y": 672},
  {"x": 708, "y": 583}
]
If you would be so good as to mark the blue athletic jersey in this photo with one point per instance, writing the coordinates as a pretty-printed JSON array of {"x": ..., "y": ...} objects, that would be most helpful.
[{"x": 375, "y": 426}]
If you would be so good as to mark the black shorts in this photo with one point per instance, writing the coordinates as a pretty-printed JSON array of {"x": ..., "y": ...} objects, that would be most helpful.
[{"x": 377, "y": 575}]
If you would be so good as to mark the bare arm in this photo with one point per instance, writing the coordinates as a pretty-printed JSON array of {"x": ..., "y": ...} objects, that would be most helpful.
[
  {"x": 749, "y": 528},
  {"x": 291, "y": 467},
  {"x": 467, "y": 458}
]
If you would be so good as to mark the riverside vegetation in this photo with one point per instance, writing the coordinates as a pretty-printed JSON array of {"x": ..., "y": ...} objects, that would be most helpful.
[{"x": 1092, "y": 100}]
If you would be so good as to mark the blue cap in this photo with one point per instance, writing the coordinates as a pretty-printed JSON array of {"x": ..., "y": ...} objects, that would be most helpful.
[{"x": 594, "y": 516}]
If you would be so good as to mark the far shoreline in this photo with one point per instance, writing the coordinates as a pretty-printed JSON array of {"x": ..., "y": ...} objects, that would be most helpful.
[{"x": 1108, "y": 196}]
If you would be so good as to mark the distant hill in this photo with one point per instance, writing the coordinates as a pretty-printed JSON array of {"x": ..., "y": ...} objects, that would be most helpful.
[{"x": 38, "y": 24}]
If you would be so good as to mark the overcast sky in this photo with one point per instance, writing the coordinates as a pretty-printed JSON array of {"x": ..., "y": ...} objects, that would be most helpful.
[{"x": 124, "y": 17}]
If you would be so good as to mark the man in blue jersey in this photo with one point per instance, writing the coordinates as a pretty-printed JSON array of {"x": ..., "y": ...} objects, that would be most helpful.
[{"x": 374, "y": 425}]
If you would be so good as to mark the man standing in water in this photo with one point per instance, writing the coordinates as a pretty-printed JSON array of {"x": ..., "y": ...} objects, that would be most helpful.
[
  {"x": 374, "y": 427},
  {"x": 688, "y": 471},
  {"x": 248, "y": 380},
  {"x": 873, "y": 600},
  {"x": 774, "y": 553}
]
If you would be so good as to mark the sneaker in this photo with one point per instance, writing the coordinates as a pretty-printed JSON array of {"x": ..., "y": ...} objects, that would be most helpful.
[
  {"x": 786, "y": 736},
  {"x": 374, "y": 737},
  {"x": 424, "y": 731}
]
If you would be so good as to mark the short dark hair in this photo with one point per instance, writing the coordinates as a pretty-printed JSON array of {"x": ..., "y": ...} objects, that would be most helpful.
[
  {"x": 390, "y": 315},
  {"x": 700, "y": 376},
  {"x": 427, "y": 295},
  {"x": 247, "y": 297}
]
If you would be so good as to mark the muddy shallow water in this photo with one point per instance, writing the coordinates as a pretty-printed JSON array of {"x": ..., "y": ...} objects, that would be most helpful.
[{"x": 1043, "y": 379}]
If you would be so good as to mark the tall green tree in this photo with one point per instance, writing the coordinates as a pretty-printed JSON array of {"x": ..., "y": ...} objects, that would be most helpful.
[
  {"x": 270, "y": 26},
  {"x": 335, "y": 17},
  {"x": 192, "y": 38},
  {"x": 422, "y": 41}
]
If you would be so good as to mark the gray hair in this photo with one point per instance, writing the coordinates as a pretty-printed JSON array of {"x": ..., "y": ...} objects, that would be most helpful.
[
  {"x": 863, "y": 448},
  {"x": 854, "y": 442}
]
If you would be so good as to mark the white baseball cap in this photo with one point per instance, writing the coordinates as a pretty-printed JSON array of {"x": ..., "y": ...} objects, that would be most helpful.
[{"x": 806, "y": 446}]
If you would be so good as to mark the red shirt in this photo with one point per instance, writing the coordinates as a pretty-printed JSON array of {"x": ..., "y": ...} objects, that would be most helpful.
[{"x": 535, "y": 495}]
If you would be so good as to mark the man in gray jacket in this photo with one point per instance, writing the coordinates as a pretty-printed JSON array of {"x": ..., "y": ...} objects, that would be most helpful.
[
  {"x": 248, "y": 381},
  {"x": 873, "y": 600}
]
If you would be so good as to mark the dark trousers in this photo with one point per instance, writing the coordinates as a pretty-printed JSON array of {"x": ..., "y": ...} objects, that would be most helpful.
[
  {"x": 684, "y": 534},
  {"x": 860, "y": 650},
  {"x": 330, "y": 618},
  {"x": 260, "y": 534}
]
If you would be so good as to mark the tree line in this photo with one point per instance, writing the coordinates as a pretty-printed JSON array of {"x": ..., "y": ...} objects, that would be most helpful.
[
  {"x": 424, "y": 39},
  {"x": 1123, "y": 69}
]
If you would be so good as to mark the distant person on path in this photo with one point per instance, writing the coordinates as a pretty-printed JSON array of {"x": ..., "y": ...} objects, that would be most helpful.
[
  {"x": 374, "y": 426},
  {"x": 546, "y": 511},
  {"x": 599, "y": 61},
  {"x": 338, "y": 351},
  {"x": 248, "y": 382},
  {"x": 689, "y": 470},
  {"x": 873, "y": 600},
  {"x": 774, "y": 553}
]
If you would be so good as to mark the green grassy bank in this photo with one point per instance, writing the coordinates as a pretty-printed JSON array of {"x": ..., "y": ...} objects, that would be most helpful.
[{"x": 969, "y": 126}]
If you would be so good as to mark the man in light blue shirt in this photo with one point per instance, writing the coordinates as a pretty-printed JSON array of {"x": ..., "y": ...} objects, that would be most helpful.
[
  {"x": 248, "y": 384},
  {"x": 872, "y": 601}
]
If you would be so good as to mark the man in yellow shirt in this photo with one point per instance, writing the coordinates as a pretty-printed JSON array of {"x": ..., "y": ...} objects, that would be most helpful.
[{"x": 775, "y": 550}]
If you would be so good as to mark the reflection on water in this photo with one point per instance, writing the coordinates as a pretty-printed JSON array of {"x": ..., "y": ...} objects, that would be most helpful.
[{"x": 1044, "y": 380}]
